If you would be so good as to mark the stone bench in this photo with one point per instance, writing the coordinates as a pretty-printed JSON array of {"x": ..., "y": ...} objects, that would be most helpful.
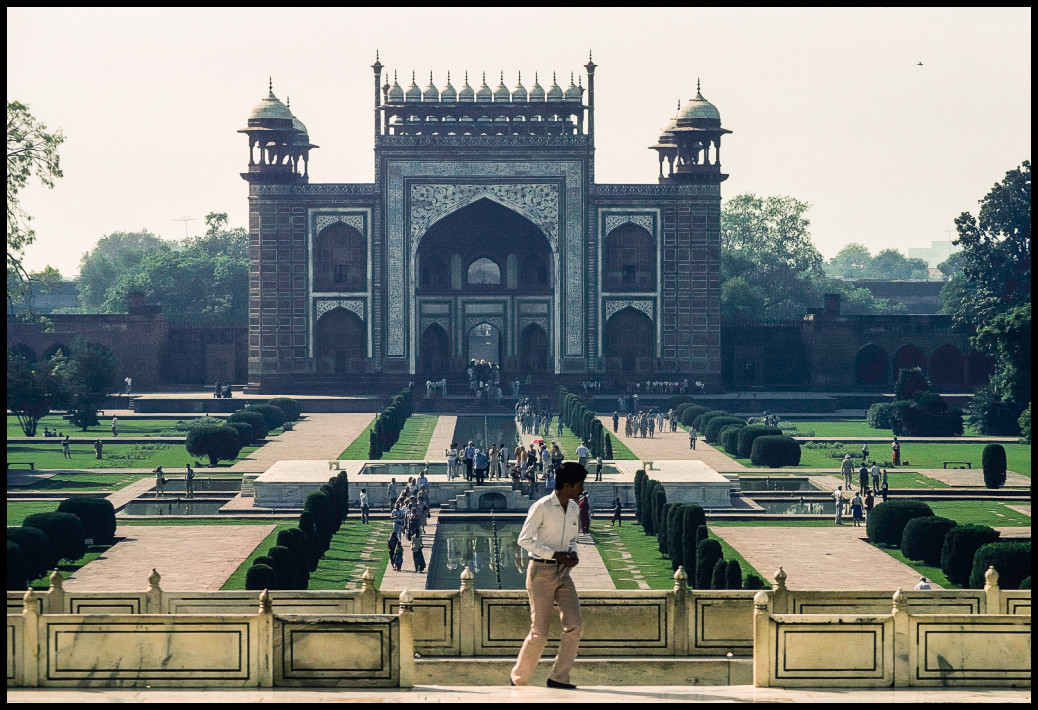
[
  {"x": 960, "y": 464},
  {"x": 30, "y": 464}
]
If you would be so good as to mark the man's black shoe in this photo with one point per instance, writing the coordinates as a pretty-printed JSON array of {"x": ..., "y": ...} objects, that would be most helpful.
[
  {"x": 511, "y": 682},
  {"x": 562, "y": 686}
]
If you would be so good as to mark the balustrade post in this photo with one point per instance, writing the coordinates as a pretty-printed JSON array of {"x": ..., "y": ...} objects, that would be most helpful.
[
  {"x": 902, "y": 641},
  {"x": 31, "y": 642},
  {"x": 992, "y": 592},
  {"x": 780, "y": 594},
  {"x": 406, "y": 639},
  {"x": 153, "y": 597},
  {"x": 367, "y": 601},
  {"x": 761, "y": 640},
  {"x": 471, "y": 621},
  {"x": 56, "y": 594},
  {"x": 681, "y": 613},
  {"x": 265, "y": 642}
]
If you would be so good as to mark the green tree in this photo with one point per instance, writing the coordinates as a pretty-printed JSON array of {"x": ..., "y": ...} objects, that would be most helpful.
[
  {"x": 91, "y": 377},
  {"x": 996, "y": 250},
  {"x": 893, "y": 265},
  {"x": 34, "y": 389},
  {"x": 996, "y": 408},
  {"x": 849, "y": 263},
  {"x": 114, "y": 256},
  {"x": 32, "y": 150}
]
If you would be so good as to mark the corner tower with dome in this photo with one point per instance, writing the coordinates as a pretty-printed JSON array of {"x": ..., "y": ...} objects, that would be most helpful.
[{"x": 483, "y": 236}]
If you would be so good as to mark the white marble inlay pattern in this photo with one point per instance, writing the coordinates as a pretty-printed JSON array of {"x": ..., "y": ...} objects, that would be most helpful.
[
  {"x": 646, "y": 306},
  {"x": 323, "y": 305},
  {"x": 644, "y": 221},
  {"x": 353, "y": 220}
]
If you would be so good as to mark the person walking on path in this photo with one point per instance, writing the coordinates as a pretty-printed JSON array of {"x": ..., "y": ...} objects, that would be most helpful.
[
  {"x": 470, "y": 456},
  {"x": 398, "y": 521},
  {"x": 692, "y": 436},
  {"x": 129, "y": 384},
  {"x": 549, "y": 535},
  {"x": 558, "y": 426},
  {"x": 396, "y": 552},
  {"x": 417, "y": 553},
  {"x": 895, "y": 450},
  {"x": 838, "y": 497},
  {"x": 452, "y": 461},
  {"x": 582, "y": 454},
  {"x": 98, "y": 448},
  {"x": 160, "y": 481},
  {"x": 115, "y": 426},
  {"x": 189, "y": 482},
  {"x": 870, "y": 503},
  {"x": 364, "y": 505},
  {"x": 598, "y": 468},
  {"x": 847, "y": 468},
  {"x": 863, "y": 478},
  {"x": 864, "y": 451},
  {"x": 875, "y": 476},
  {"x": 391, "y": 492},
  {"x": 856, "y": 509},
  {"x": 584, "y": 508},
  {"x": 66, "y": 451},
  {"x": 616, "y": 422},
  {"x": 480, "y": 464},
  {"x": 616, "y": 513}
]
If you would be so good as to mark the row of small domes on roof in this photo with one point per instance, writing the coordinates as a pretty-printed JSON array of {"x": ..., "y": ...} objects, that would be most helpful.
[{"x": 395, "y": 94}]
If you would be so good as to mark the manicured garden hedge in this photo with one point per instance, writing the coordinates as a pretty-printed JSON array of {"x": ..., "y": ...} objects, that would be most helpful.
[
  {"x": 218, "y": 443},
  {"x": 960, "y": 545},
  {"x": 995, "y": 465},
  {"x": 716, "y": 424},
  {"x": 289, "y": 407},
  {"x": 729, "y": 438},
  {"x": 775, "y": 451},
  {"x": 923, "y": 538},
  {"x": 886, "y": 525},
  {"x": 65, "y": 533},
  {"x": 1012, "y": 561},
  {"x": 750, "y": 433},
  {"x": 96, "y": 514}
]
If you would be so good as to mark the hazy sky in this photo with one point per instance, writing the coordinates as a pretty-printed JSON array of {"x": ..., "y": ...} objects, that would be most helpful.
[{"x": 828, "y": 106}]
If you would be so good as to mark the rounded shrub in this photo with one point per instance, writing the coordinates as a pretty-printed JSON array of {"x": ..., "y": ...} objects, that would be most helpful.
[
  {"x": 36, "y": 550},
  {"x": 924, "y": 537},
  {"x": 284, "y": 572},
  {"x": 708, "y": 552},
  {"x": 675, "y": 534},
  {"x": 1025, "y": 583},
  {"x": 750, "y": 433},
  {"x": 314, "y": 548},
  {"x": 253, "y": 419},
  {"x": 1012, "y": 561},
  {"x": 690, "y": 413},
  {"x": 703, "y": 419},
  {"x": 693, "y": 518},
  {"x": 775, "y": 451},
  {"x": 64, "y": 531},
  {"x": 245, "y": 432},
  {"x": 995, "y": 465},
  {"x": 886, "y": 525},
  {"x": 273, "y": 417},
  {"x": 289, "y": 407},
  {"x": 300, "y": 538},
  {"x": 297, "y": 552},
  {"x": 754, "y": 581},
  {"x": 659, "y": 500},
  {"x": 16, "y": 570},
  {"x": 733, "y": 575},
  {"x": 260, "y": 576},
  {"x": 663, "y": 533},
  {"x": 960, "y": 544},
  {"x": 220, "y": 443},
  {"x": 97, "y": 516},
  {"x": 716, "y": 424},
  {"x": 639, "y": 485},
  {"x": 729, "y": 438}
]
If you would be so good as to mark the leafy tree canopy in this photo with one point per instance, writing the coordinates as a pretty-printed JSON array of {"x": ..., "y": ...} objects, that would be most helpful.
[
  {"x": 32, "y": 151},
  {"x": 855, "y": 262},
  {"x": 203, "y": 280}
]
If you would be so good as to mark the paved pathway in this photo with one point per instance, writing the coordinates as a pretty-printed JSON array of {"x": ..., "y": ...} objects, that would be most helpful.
[
  {"x": 667, "y": 445},
  {"x": 442, "y": 437},
  {"x": 318, "y": 436},
  {"x": 966, "y": 477},
  {"x": 835, "y": 558},
  {"x": 189, "y": 557}
]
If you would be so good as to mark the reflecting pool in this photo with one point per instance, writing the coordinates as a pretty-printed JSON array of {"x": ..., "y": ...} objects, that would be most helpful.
[{"x": 486, "y": 547}]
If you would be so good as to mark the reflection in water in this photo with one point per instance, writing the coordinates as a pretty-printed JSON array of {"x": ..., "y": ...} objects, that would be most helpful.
[{"x": 489, "y": 548}]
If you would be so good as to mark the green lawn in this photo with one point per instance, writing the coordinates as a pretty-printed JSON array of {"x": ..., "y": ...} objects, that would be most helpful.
[
  {"x": 114, "y": 455},
  {"x": 412, "y": 444},
  {"x": 655, "y": 569},
  {"x": 88, "y": 482},
  {"x": 980, "y": 512},
  {"x": 67, "y": 568},
  {"x": 934, "y": 574},
  {"x": 849, "y": 428},
  {"x": 339, "y": 563},
  {"x": 18, "y": 511},
  {"x": 917, "y": 455},
  {"x": 127, "y": 427}
]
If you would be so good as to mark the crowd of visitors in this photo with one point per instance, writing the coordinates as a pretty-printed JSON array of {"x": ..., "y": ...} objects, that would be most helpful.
[{"x": 410, "y": 513}]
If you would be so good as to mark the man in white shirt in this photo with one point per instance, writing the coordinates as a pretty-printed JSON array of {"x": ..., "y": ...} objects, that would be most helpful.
[
  {"x": 550, "y": 536},
  {"x": 364, "y": 506},
  {"x": 582, "y": 453},
  {"x": 923, "y": 583}
]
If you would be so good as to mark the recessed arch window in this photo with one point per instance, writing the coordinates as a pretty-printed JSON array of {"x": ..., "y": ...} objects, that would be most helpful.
[
  {"x": 340, "y": 259},
  {"x": 484, "y": 272},
  {"x": 630, "y": 259}
]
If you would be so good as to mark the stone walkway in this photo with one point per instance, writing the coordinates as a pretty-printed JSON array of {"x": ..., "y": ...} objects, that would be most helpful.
[
  {"x": 835, "y": 558},
  {"x": 966, "y": 477},
  {"x": 441, "y": 439},
  {"x": 189, "y": 557},
  {"x": 317, "y": 436},
  {"x": 669, "y": 445}
]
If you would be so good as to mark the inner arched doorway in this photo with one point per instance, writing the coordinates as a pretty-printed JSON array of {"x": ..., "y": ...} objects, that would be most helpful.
[
  {"x": 631, "y": 337},
  {"x": 485, "y": 343},
  {"x": 435, "y": 352},
  {"x": 870, "y": 365},
  {"x": 533, "y": 349},
  {"x": 340, "y": 342}
]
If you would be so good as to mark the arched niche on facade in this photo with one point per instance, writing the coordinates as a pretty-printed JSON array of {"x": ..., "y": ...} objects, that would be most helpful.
[
  {"x": 485, "y": 342},
  {"x": 870, "y": 365},
  {"x": 629, "y": 260},
  {"x": 630, "y": 340},
  {"x": 909, "y": 355},
  {"x": 533, "y": 349},
  {"x": 948, "y": 367},
  {"x": 340, "y": 259},
  {"x": 488, "y": 230},
  {"x": 434, "y": 353},
  {"x": 340, "y": 342}
]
